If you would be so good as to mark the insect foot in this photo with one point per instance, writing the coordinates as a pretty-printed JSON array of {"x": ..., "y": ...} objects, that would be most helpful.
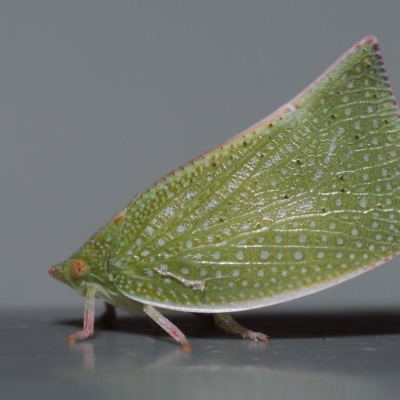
[{"x": 230, "y": 326}]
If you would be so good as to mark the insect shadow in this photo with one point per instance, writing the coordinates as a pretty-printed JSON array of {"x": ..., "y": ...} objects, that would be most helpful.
[{"x": 277, "y": 325}]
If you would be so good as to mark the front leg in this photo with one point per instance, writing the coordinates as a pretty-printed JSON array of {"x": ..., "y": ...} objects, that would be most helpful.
[
  {"x": 88, "y": 317},
  {"x": 230, "y": 326}
]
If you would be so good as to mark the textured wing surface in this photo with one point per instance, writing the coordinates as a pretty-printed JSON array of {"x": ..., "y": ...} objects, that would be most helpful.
[{"x": 299, "y": 202}]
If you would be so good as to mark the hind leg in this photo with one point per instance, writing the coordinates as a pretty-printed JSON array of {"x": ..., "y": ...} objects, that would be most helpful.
[{"x": 230, "y": 326}]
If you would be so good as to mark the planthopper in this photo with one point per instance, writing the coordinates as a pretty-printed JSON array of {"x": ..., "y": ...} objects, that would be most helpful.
[{"x": 303, "y": 200}]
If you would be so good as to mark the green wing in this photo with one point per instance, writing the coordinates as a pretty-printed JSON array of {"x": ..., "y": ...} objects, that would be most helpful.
[{"x": 303, "y": 200}]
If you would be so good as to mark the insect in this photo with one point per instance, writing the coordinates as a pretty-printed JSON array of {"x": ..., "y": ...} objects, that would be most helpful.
[{"x": 303, "y": 200}]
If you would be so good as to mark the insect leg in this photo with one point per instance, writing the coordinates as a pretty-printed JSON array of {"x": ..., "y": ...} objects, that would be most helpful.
[
  {"x": 109, "y": 316},
  {"x": 167, "y": 326},
  {"x": 88, "y": 318},
  {"x": 230, "y": 326}
]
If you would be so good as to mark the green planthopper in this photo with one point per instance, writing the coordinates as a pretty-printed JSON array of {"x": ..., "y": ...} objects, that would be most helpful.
[{"x": 303, "y": 200}]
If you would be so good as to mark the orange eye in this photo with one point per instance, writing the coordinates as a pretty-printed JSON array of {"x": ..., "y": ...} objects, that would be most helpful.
[{"x": 78, "y": 269}]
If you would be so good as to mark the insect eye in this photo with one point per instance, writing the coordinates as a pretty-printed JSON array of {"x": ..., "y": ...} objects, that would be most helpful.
[{"x": 78, "y": 269}]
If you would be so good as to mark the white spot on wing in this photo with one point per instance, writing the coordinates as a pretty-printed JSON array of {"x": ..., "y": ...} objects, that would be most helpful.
[
  {"x": 318, "y": 175},
  {"x": 306, "y": 205}
]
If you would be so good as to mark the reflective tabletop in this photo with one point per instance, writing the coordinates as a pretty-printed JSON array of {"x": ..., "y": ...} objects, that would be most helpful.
[{"x": 309, "y": 356}]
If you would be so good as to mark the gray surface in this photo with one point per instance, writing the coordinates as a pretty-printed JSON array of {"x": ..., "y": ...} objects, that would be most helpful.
[{"x": 310, "y": 356}]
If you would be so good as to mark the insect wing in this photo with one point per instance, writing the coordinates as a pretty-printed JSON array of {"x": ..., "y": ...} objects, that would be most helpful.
[{"x": 301, "y": 201}]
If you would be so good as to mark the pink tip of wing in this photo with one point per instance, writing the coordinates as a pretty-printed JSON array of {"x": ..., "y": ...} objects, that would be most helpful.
[{"x": 371, "y": 38}]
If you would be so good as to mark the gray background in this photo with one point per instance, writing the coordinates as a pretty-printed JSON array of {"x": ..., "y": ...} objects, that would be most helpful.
[{"x": 100, "y": 99}]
